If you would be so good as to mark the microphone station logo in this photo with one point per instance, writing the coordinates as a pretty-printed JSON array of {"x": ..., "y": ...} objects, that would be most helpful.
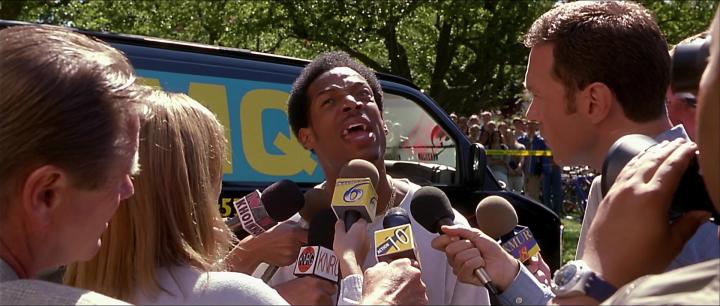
[
  {"x": 354, "y": 193},
  {"x": 252, "y": 214},
  {"x": 522, "y": 245},
  {"x": 394, "y": 242},
  {"x": 306, "y": 259},
  {"x": 317, "y": 261}
]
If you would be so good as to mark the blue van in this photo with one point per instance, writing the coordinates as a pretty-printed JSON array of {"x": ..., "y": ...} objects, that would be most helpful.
[{"x": 248, "y": 92}]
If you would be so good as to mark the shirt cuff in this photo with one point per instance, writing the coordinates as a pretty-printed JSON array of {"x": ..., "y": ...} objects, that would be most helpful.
[
  {"x": 525, "y": 289},
  {"x": 351, "y": 290}
]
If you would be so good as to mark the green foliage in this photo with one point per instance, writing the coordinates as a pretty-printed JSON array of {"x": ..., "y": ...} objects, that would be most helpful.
[
  {"x": 466, "y": 54},
  {"x": 681, "y": 19}
]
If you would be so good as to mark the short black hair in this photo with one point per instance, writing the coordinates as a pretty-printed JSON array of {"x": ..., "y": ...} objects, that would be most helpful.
[{"x": 298, "y": 102}]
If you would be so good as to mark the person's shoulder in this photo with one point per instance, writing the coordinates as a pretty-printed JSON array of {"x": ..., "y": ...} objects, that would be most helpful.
[
  {"x": 37, "y": 292},
  {"x": 405, "y": 185},
  {"x": 237, "y": 287},
  {"x": 223, "y": 280},
  {"x": 692, "y": 285}
]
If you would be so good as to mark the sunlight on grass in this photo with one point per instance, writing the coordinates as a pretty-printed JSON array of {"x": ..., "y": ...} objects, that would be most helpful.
[{"x": 570, "y": 238}]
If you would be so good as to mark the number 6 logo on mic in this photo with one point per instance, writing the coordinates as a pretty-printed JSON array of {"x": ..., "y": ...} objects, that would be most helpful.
[{"x": 354, "y": 193}]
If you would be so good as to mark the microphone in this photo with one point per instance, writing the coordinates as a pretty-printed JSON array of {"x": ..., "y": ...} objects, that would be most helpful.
[
  {"x": 316, "y": 200},
  {"x": 318, "y": 258},
  {"x": 396, "y": 239},
  {"x": 258, "y": 212},
  {"x": 431, "y": 208},
  {"x": 354, "y": 196},
  {"x": 497, "y": 218}
]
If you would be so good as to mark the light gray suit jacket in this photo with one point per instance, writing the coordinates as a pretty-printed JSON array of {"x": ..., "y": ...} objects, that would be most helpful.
[{"x": 15, "y": 291}]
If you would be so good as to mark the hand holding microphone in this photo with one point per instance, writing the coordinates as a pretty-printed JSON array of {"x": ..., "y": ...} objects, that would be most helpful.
[
  {"x": 318, "y": 258},
  {"x": 351, "y": 247},
  {"x": 282, "y": 242},
  {"x": 316, "y": 266},
  {"x": 497, "y": 218},
  {"x": 256, "y": 221},
  {"x": 257, "y": 212},
  {"x": 475, "y": 250},
  {"x": 431, "y": 208}
]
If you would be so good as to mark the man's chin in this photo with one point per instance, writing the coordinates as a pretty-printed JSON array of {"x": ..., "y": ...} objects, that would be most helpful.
[{"x": 370, "y": 154}]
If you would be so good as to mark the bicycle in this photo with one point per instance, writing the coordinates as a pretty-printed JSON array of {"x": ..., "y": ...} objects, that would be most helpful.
[{"x": 576, "y": 185}]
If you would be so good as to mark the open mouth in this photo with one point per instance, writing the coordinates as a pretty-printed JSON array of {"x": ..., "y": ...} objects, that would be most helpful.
[{"x": 356, "y": 131}]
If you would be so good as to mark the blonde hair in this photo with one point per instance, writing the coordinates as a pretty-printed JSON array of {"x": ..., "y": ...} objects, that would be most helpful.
[
  {"x": 66, "y": 101},
  {"x": 173, "y": 219}
]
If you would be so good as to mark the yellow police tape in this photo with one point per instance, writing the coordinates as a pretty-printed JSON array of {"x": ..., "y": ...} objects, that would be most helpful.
[{"x": 519, "y": 152}]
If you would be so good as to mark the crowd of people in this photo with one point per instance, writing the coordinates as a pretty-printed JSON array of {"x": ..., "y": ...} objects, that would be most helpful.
[
  {"x": 119, "y": 182},
  {"x": 518, "y": 156}
]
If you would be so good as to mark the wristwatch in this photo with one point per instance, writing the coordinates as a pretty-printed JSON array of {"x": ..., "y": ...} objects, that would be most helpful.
[{"x": 575, "y": 278}]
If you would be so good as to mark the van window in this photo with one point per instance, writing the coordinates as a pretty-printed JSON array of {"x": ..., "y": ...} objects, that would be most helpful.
[{"x": 414, "y": 138}]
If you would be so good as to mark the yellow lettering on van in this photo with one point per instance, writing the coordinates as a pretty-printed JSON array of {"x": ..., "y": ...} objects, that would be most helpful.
[
  {"x": 214, "y": 97},
  {"x": 152, "y": 82},
  {"x": 295, "y": 159}
]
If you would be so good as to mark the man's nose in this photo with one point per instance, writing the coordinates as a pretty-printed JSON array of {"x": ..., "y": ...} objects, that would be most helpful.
[{"x": 350, "y": 103}]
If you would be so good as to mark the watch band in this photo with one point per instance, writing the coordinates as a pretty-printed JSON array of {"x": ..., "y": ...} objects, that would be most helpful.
[{"x": 598, "y": 288}]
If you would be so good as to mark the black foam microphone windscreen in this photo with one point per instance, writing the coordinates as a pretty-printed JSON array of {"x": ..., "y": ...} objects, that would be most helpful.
[
  {"x": 282, "y": 199},
  {"x": 431, "y": 208},
  {"x": 322, "y": 229}
]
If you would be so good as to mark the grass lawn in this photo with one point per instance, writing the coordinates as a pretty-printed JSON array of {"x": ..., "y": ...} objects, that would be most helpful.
[{"x": 570, "y": 238}]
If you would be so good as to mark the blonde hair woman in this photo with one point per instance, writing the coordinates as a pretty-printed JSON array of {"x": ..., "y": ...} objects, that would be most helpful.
[{"x": 164, "y": 242}]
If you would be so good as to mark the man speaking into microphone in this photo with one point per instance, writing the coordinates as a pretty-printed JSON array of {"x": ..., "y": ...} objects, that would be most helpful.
[{"x": 335, "y": 110}]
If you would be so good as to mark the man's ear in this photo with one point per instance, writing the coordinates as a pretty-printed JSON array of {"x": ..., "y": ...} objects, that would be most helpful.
[
  {"x": 307, "y": 138},
  {"x": 42, "y": 193},
  {"x": 596, "y": 102}
]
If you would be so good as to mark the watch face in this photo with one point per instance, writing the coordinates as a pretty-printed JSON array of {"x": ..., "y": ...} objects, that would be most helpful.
[{"x": 565, "y": 275}]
